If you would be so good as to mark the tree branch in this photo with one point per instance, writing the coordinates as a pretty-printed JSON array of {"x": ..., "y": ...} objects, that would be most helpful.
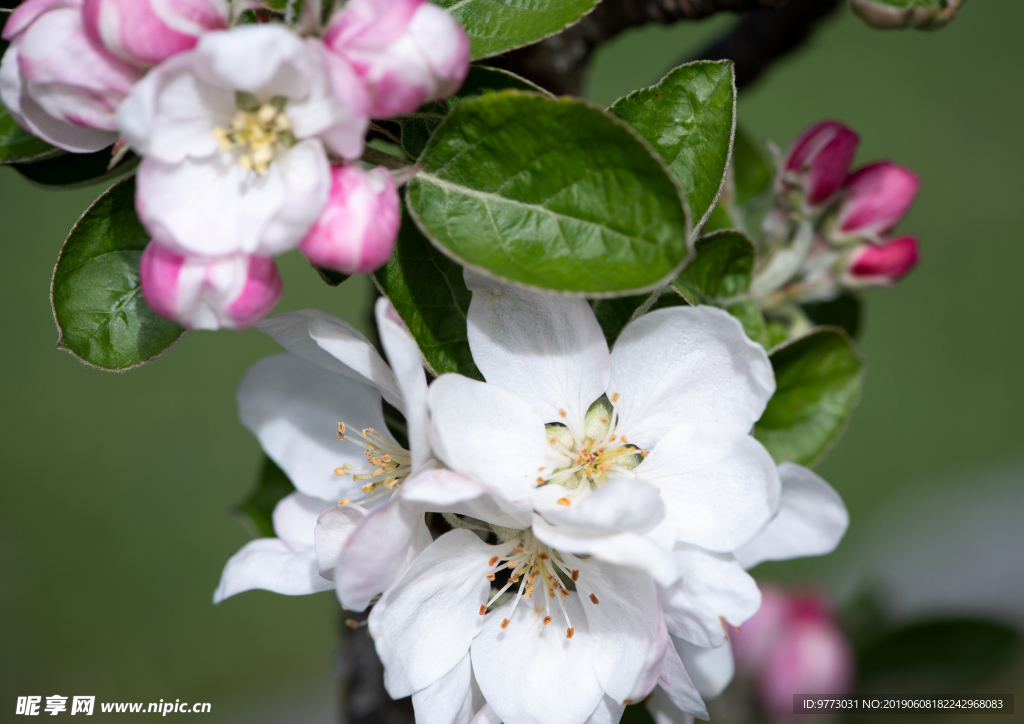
[
  {"x": 558, "y": 63},
  {"x": 761, "y": 38}
]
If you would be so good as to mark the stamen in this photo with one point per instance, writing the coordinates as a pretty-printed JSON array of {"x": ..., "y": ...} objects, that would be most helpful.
[
  {"x": 504, "y": 623},
  {"x": 575, "y": 576},
  {"x": 593, "y": 598},
  {"x": 615, "y": 397},
  {"x": 569, "y": 632},
  {"x": 562, "y": 412},
  {"x": 344, "y": 501},
  {"x": 547, "y": 620},
  {"x": 483, "y": 609},
  {"x": 562, "y": 501},
  {"x": 492, "y": 561}
]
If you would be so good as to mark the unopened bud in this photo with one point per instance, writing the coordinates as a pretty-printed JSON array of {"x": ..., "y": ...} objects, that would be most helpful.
[
  {"x": 883, "y": 264},
  {"x": 921, "y": 15},
  {"x": 820, "y": 159},
  {"x": 226, "y": 292},
  {"x": 812, "y": 659},
  {"x": 356, "y": 230},
  {"x": 407, "y": 51},
  {"x": 875, "y": 199},
  {"x": 146, "y": 32}
]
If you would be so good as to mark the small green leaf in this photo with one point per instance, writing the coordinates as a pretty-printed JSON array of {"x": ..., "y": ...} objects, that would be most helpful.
[
  {"x": 843, "y": 311},
  {"x": 71, "y": 170},
  {"x": 751, "y": 166},
  {"x": 429, "y": 293},
  {"x": 418, "y": 127},
  {"x": 102, "y": 317},
  {"x": 256, "y": 511},
  {"x": 553, "y": 194},
  {"x": 19, "y": 146},
  {"x": 495, "y": 26},
  {"x": 750, "y": 317},
  {"x": 936, "y": 658},
  {"x": 818, "y": 379},
  {"x": 689, "y": 117},
  {"x": 722, "y": 268}
]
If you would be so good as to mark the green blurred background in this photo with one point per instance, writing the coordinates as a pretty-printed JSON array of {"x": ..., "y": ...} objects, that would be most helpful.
[{"x": 117, "y": 488}]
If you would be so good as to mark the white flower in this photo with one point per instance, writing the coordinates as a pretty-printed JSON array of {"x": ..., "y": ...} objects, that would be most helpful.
[
  {"x": 294, "y": 403},
  {"x": 235, "y": 135},
  {"x": 622, "y": 454}
]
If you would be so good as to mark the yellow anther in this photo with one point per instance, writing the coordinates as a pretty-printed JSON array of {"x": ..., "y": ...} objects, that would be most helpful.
[{"x": 344, "y": 501}]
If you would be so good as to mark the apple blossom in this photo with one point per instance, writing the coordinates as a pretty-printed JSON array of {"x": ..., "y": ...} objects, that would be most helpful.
[
  {"x": 199, "y": 292},
  {"x": 819, "y": 159},
  {"x": 407, "y": 51},
  {"x": 234, "y": 136},
  {"x": 875, "y": 198},
  {"x": 56, "y": 82},
  {"x": 147, "y": 32},
  {"x": 356, "y": 231},
  {"x": 884, "y": 263}
]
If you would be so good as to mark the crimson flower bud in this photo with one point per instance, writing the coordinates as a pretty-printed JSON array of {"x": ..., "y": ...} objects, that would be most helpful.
[
  {"x": 876, "y": 198},
  {"x": 884, "y": 263},
  {"x": 820, "y": 159},
  {"x": 357, "y": 228},
  {"x": 202, "y": 292}
]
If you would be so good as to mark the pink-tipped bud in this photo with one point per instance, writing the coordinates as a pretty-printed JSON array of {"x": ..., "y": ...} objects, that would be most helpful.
[
  {"x": 407, "y": 51},
  {"x": 146, "y": 32},
  {"x": 876, "y": 198},
  {"x": 820, "y": 159},
  {"x": 754, "y": 641},
  {"x": 883, "y": 263},
  {"x": 813, "y": 659},
  {"x": 226, "y": 292},
  {"x": 357, "y": 228}
]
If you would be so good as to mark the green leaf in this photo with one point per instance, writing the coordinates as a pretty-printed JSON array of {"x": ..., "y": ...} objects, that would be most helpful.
[
  {"x": 722, "y": 267},
  {"x": 256, "y": 511},
  {"x": 71, "y": 170},
  {"x": 751, "y": 167},
  {"x": 495, "y": 26},
  {"x": 19, "y": 146},
  {"x": 689, "y": 117},
  {"x": 102, "y": 317},
  {"x": 615, "y": 313},
  {"x": 750, "y": 317},
  {"x": 429, "y": 293},
  {"x": 554, "y": 194},
  {"x": 843, "y": 311},
  {"x": 481, "y": 80},
  {"x": 819, "y": 379},
  {"x": 935, "y": 658}
]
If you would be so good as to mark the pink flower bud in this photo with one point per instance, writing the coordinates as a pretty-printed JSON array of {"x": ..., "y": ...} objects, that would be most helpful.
[
  {"x": 357, "y": 228},
  {"x": 407, "y": 51},
  {"x": 56, "y": 82},
  {"x": 877, "y": 197},
  {"x": 813, "y": 659},
  {"x": 754, "y": 641},
  {"x": 146, "y": 32},
  {"x": 199, "y": 292},
  {"x": 883, "y": 264},
  {"x": 820, "y": 159}
]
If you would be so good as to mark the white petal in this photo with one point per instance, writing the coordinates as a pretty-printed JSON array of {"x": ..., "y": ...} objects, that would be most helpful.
[
  {"x": 608, "y": 711},
  {"x": 677, "y": 684},
  {"x": 445, "y": 491},
  {"x": 663, "y": 711},
  {"x": 719, "y": 485},
  {"x": 711, "y": 669},
  {"x": 379, "y": 551},
  {"x": 687, "y": 364},
  {"x": 407, "y": 364},
  {"x": 531, "y": 673},
  {"x": 712, "y": 590},
  {"x": 629, "y": 635},
  {"x": 334, "y": 344},
  {"x": 546, "y": 349},
  {"x": 624, "y": 549},
  {"x": 486, "y": 715},
  {"x": 266, "y": 60},
  {"x": 618, "y": 505},
  {"x": 811, "y": 520},
  {"x": 449, "y": 700},
  {"x": 295, "y": 518},
  {"x": 423, "y": 625},
  {"x": 294, "y": 407},
  {"x": 333, "y": 529},
  {"x": 489, "y": 434},
  {"x": 269, "y": 564}
]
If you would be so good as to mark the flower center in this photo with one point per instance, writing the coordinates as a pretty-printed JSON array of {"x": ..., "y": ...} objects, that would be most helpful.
[
  {"x": 256, "y": 132},
  {"x": 602, "y": 449},
  {"x": 529, "y": 562},
  {"x": 388, "y": 463}
]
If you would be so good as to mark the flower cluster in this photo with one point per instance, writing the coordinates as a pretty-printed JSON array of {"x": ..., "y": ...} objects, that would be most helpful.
[
  {"x": 566, "y": 538},
  {"x": 829, "y": 228},
  {"x": 250, "y": 134}
]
